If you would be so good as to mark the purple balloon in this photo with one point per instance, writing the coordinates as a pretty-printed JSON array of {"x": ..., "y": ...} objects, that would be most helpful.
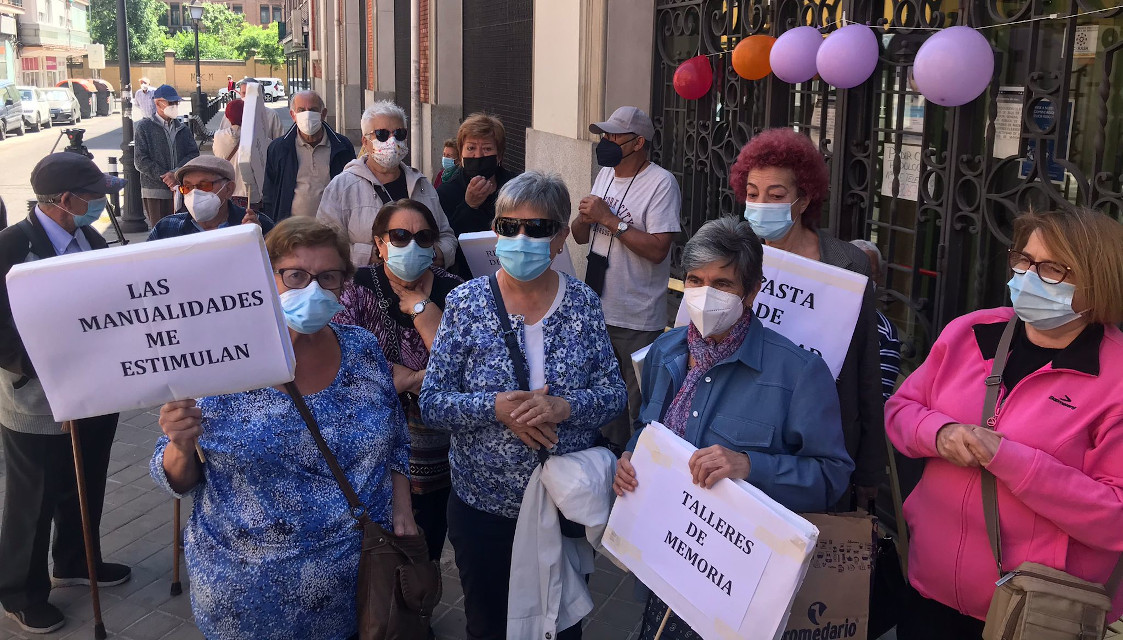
[
  {"x": 848, "y": 56},
  {"x": 954, "y": 66},
  {"x": 793, "y": 55}
]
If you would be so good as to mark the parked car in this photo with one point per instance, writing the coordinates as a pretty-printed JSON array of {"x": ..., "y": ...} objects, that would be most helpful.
[
  {"x": 64, "y": 105},
  {"x": 36, "y": 109},
  {"x": 272, "y": 89},
  {"x": 11, "y": 109}
]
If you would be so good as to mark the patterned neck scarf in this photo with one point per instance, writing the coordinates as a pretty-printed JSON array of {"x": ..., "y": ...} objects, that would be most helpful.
[{"x": 706, "y": 354}]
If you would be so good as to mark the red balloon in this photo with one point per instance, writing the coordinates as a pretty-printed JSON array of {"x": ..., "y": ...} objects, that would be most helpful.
[{"x": 693, "y": 78}]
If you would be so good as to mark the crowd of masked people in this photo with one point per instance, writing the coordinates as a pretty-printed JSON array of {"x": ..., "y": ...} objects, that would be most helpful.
[{"x": 445, "y": 395}]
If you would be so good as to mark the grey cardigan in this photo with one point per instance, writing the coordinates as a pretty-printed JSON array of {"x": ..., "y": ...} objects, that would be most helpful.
[{"x": 158, "y": 151}]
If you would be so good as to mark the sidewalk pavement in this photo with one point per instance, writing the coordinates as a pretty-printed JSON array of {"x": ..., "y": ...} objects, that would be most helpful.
[{"x": 136, "y": 529}]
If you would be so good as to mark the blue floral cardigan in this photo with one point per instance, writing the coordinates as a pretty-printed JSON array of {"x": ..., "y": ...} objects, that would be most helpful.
[{"x": 469, "y": 364}]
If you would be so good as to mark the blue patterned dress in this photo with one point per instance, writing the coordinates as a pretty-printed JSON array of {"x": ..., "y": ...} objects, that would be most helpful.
[
  {"x": 271, "y": 548},
  {"x": 469, "y": 364}
]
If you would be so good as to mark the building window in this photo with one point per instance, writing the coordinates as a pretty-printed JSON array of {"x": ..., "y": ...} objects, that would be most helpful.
[
  {"x": 175, "y": 14},
  {"x": 186, "y": 15},
  {"x": 277, "y": 14},
  {"x": 265, "y": 15},
  {"x": 238, "y": 9}
]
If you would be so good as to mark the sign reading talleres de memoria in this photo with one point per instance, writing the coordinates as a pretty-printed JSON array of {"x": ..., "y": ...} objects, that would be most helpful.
[{"x": 136, "y": 326}]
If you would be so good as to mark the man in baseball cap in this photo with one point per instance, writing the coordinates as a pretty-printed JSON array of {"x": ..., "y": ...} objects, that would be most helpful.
[
  {"x": 629, "y": 221},
  {"x": 161, "y": 145},
  {"x": 206, "y": 183},
  {"x": 41, "y": 487}
]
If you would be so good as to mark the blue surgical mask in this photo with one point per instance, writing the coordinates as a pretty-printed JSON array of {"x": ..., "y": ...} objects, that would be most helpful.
[
  {"x": 523, "y": 258},
  {"x": 309, "y": 309},
  {"x": 770, "y": 221},
  {"x": 94, "y": 209},
  {"x": 1043, "y": 305},
  {"x": 447, "y": 163},
  {"x": 410, "y": 261}
]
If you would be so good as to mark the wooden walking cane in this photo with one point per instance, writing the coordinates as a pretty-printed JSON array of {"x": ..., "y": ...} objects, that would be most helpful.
[
  {"x": 177, "y": 533},
  {"x": 87, "y": 526},
  {"x": 177, "y": 548}
]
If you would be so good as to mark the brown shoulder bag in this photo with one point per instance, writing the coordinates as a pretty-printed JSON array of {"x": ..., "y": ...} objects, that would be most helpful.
[
  {"x": 1034, "y": 601},
  {"x": 398, "y": 585}
]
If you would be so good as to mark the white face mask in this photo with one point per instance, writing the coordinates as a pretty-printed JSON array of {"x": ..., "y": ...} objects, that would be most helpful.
[
  {"x": 171, "y": 111},
  {"x": 308, "y": 122},
  {"x": 388, "y": 154},
  {"x": 203, "y": 205},
  {"x": 712, "y": 311}
]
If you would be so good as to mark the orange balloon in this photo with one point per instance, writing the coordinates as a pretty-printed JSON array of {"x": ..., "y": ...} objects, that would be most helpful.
[{"x": 750, "y": 57}]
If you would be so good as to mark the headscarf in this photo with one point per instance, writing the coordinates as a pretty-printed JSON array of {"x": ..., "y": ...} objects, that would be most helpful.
[{"x": 234, "y": 110}]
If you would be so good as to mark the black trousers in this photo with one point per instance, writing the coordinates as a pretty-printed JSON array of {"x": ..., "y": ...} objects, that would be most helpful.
[
  {"x": 40, "y": 488},
  {"x": 926, "y": 619},
  {"x": 430, "y": 510},
  {"x": 483, "y": 543}
]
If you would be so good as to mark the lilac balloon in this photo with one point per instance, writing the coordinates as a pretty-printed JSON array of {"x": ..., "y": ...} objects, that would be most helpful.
[
  {"x": 954, "y": 66},
  {"x": 848, "y": 56},
  {"x": 793, "y": 56}
]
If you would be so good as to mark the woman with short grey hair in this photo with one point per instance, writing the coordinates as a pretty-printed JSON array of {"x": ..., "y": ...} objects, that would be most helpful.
[
  {"x": 473, "y": 389},
  {"x": 757, "y": 407},
  {"x": 376, "y": 178}
]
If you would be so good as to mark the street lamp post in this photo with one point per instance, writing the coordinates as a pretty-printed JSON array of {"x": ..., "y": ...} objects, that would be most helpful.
[
  {"x": 196, "y": 9},
  {"x": 132, "y": 218}
]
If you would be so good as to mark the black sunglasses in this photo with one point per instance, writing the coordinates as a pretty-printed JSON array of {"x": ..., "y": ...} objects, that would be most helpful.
[
  {"x": 400, "y": 237},
  {"x": 533, "y": 227},
  {"x": 382, "y": 135}
]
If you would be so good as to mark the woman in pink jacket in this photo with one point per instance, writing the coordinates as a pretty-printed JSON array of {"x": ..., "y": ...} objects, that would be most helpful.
[{"x": 1057, "y": 445}]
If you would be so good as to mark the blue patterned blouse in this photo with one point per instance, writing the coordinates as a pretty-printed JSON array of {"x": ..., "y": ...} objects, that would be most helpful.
[
  {"x": 271, "y": 548},
  {"x": 469, "y": 364}
]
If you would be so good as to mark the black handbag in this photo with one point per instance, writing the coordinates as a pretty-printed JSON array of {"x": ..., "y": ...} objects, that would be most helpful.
[{"x": 398, "y": 586}]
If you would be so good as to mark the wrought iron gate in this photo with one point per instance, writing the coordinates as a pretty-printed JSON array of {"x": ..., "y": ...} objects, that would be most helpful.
[{"x": 936, "y": 188}]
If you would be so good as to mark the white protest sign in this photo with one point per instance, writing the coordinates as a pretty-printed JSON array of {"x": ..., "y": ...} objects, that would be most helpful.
[
  {"x": 811, "y": 303},
  {"x": 479, "y": 249},
  {"x": 133, "y": 327},
  {"x": 253, "y": 143},
  {"x": 727, "y": 560}
]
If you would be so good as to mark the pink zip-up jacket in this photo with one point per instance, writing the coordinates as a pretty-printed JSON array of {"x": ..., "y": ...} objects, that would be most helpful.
[{"x": 1059, "y": 466}]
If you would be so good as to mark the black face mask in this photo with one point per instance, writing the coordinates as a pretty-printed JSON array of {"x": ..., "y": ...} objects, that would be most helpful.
[
  {"x": 610, "y": 154},
  {"x": 484, "y": 166}
]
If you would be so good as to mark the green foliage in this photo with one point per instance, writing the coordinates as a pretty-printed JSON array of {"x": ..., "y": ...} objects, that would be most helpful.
[
  {"x": 146, "y": 36},
  {"x": 221, "y": 22},
  {"x": 263, "y": 41},
  {"x": 210, "y": 47}
]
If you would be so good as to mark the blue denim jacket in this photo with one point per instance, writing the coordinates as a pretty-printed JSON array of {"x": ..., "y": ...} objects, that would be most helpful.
[{"x": 771, "y": 400}]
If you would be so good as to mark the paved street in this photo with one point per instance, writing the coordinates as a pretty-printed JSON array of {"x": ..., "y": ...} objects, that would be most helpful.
[{"x": 137, "y": 530}]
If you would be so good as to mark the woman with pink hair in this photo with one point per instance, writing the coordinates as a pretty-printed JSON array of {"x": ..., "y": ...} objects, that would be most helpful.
[{"x": 782, "y": 179}]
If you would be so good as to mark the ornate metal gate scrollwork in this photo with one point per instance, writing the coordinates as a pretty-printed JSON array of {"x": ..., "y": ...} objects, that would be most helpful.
[{"x": 936, "y": 188}]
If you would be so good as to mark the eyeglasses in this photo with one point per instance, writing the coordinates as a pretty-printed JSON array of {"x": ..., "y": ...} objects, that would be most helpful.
[
  {"x": 382, "y": 135},
  {"x": 533, "y": 227},
  {"x": 299, "y": 278},
  {"x": 205, "y": 185},
  {"x": 400, "y": 237},
  {"x": 1049, "y": 271}
]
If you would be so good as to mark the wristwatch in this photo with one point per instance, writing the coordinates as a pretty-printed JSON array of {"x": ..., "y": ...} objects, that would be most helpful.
[
  {"x": 620, "y": 229},
  {"x": 419, "y": 307}
]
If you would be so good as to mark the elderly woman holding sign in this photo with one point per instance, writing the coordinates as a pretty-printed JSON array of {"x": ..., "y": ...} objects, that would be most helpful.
[
  {"x": 782, "y": 179},
  {"x": 271, "y": 546},
  {"x": 552, "y": 386},
  {"x": 757, "y": 406}
]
